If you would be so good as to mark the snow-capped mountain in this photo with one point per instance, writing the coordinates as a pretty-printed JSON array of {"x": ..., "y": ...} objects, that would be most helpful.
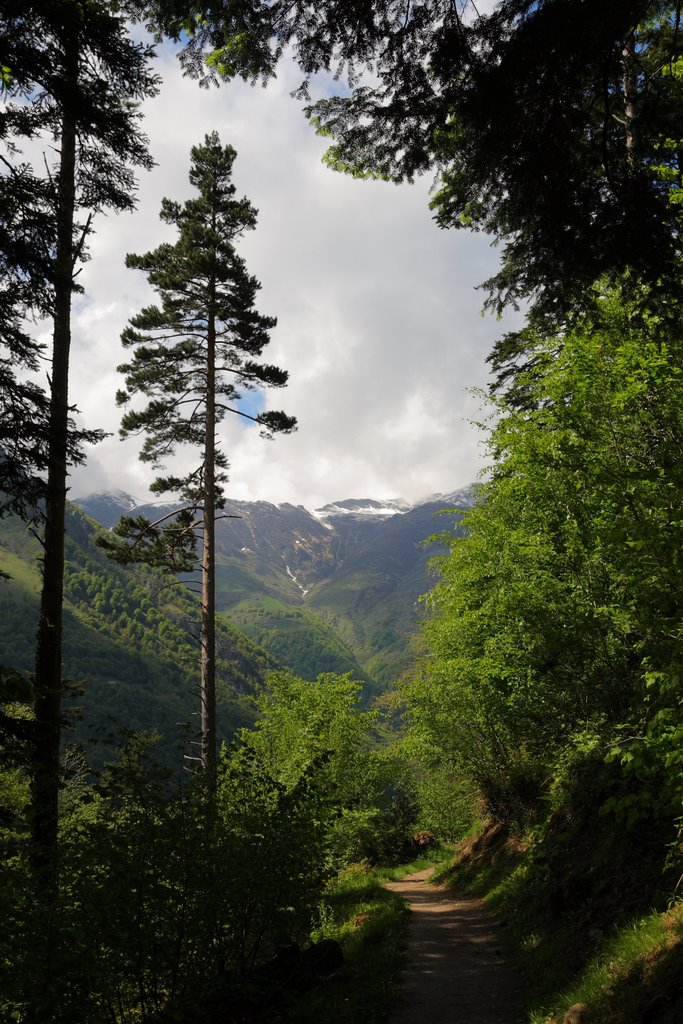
[
  {"x": 304, "y": 545},
  {"x": 362, "y": 507},
  {"x": 359, "y": 564}
]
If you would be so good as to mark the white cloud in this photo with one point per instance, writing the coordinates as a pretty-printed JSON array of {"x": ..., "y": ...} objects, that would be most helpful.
[{"x": 379, "y": 320}]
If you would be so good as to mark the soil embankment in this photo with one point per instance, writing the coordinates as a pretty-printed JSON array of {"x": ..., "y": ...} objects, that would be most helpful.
[{"x": 457, "y": 970}]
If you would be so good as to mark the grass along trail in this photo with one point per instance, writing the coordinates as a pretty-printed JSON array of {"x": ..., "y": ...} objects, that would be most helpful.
[{"x": 456, "y": 969}]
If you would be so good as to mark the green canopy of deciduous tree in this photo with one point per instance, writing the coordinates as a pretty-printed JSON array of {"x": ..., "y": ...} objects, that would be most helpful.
[{"x": 556, "y": 623}]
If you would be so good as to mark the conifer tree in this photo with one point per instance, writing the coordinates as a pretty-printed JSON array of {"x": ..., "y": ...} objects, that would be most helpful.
[
  {"x": 194, "y": 354},
  {"x": 71, "y": 74}
]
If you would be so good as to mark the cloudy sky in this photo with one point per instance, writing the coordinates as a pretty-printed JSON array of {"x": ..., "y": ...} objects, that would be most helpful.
[{"x": 379, "y": 322}]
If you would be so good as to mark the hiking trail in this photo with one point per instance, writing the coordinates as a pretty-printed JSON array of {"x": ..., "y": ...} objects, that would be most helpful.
[{"x": 457, "y": 970}]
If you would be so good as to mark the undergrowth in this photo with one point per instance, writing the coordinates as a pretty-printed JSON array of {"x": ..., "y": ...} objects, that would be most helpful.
[
  {"x": 589, "y": 914},
  {"x": 635, "y": 975},
  {"x": 438, "y": 857},
  {"x": 370, "y": 923}
]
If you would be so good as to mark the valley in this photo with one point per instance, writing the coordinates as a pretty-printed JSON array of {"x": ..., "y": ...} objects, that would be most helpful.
[{"x": 336, "y": 589}]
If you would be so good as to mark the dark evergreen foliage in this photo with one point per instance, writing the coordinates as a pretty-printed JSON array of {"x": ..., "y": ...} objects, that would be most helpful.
[
  {"x": 108, "y": 70},
  {"x": 72, "y": 75},
  {"x": 193, "y": 354},
  {"x": 554, "y": 126}
]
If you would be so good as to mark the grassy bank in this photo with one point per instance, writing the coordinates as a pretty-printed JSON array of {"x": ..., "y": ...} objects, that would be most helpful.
[
  {"x": 592, "y": 919},
  {"x": 370, "y": 923}
]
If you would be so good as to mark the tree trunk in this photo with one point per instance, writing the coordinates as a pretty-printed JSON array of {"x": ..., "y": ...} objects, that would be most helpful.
[
  {"x": 628, "y": 60},
  {"x": 48, "y": 676},
  {"x": 48, "y": 673},
  {"x": 208, "y": 628}
]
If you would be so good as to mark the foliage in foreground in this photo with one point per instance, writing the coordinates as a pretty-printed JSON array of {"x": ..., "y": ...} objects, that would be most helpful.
[
  {"x": 556, "y": 640},
  {"x": 165, "y": 901},
  {"x": 322, "y": 723},
  {"x": 554, "y": 679},
  {"x": 369, "y": 923},
  {"x": 171, "y": 902},
  {"x": 578, "y": 900}
]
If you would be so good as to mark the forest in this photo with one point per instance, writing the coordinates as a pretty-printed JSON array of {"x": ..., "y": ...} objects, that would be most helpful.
[{"x": 233, "y": 872}]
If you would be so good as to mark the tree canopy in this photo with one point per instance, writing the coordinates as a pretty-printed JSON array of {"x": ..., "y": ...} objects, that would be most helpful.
[
  {"x": 554, "y": 126},
  {"x": 63, "y": 62},
  {"x": 555, "y": 624},
  {"x": 72, "y": 75}
]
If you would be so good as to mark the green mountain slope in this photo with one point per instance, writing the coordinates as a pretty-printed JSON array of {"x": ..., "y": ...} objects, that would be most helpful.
[
  {"x": 333, "y": 590},
  {"x": 129, "y": 637},
  {"x": 257, "y": 580},
  {"x": 298, "y": 639},
  {"x": 373, "y": 599}
]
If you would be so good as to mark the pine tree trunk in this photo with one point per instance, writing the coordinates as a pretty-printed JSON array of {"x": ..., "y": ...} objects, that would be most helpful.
[
  {"x": 628, "y": 59},
  {"x": 208, "y": 627},
  {"x": 48, "y": 672},
  {"x": 48, "y": 676}
]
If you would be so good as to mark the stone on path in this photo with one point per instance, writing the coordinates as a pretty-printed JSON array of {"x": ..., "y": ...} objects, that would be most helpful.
[{"x": 456, "y": 969}]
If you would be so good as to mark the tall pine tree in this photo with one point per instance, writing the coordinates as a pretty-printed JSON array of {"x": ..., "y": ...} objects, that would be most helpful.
[
  {"x": 71, "y": 75},
  {"x": 195, "y": 353}
]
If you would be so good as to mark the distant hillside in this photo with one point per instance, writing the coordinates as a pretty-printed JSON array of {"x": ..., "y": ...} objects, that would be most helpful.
[
  {"x": 372, "y": 599},
  {"x": 332, "y": 590},
  {"x": 297, "y": 638},
  {"x": 129, "y": 636}
]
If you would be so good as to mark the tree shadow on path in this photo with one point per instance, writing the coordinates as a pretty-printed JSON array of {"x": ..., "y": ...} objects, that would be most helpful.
[{"x": 457, "y": 969}]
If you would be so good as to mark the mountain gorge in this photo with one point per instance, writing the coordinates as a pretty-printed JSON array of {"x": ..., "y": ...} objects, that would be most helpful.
[{"x": 336, "y": 589}]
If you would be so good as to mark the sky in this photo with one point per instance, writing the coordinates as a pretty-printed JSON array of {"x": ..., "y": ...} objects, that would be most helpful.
[{"x": 379, "y": 319}]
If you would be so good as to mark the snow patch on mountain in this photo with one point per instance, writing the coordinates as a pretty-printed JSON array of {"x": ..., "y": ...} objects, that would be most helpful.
[
  {"x": 119, "y": 499},
  {"x": 465, "y": 497},
  {"x": 107, "y": 507},
  {"x": 291, "y": 575},
  {"x": 362, "y": 507}
]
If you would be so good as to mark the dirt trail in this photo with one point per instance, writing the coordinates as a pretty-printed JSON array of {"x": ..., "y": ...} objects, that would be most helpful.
[{"x": 456, "y": 969}]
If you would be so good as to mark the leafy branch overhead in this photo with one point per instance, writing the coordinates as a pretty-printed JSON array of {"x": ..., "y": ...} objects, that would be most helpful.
[{"x": 552, "y": 125}]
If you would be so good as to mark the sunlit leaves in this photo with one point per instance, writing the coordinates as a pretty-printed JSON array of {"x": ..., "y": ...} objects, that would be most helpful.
[{"x": 558, "y": 610}]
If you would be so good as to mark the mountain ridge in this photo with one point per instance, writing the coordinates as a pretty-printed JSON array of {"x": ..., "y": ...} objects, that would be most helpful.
[
  {"x": 337, "y": 594},
  {"x": 120, "y": 499},
  {"x": 357, "y": 565}
]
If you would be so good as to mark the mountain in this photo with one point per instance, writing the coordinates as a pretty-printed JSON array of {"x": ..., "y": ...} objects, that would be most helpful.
[
  {"x": 372, "y": 598},
  {"x": 333, "y": 589},
  {"x": 128, "y": 635}
]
